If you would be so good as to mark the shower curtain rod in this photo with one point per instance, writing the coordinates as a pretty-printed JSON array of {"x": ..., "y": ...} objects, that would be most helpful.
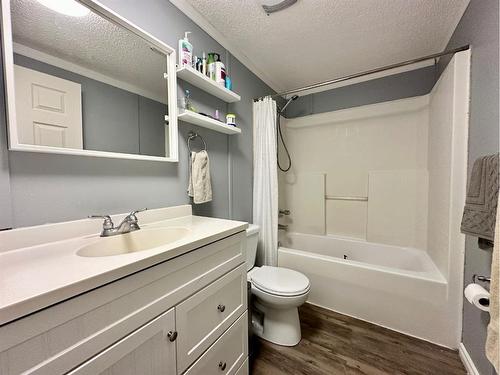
[{"x": 371, "y": 71}]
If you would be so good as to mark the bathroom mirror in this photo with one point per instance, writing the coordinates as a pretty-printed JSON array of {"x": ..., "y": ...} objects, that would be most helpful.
[{"x": 82, "y": 80}]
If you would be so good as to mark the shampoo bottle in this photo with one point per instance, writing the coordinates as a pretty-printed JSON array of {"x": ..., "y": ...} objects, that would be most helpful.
[
  {"x": 211, "y": 66},
  {"x": 220, "y": 71},
  {"x": 185, "y": 51},
  {"x": 204, "y": 64}
]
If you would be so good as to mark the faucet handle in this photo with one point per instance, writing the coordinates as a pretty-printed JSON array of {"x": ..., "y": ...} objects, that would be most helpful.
[
  {"x": 131, "y": 216},
  {"x": 108, "y": 223},
  {"x": 137, "y": 211}
]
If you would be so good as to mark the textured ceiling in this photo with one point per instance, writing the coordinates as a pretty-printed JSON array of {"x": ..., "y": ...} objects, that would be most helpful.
[
  {"x": 92, "y": 42},
  {"x": 316, "y": 40}
]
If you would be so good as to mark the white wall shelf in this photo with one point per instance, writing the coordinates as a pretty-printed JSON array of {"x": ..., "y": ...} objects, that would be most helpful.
[
  {"x": 201, "y": 81},
  {"x": 207, "y": 122}
]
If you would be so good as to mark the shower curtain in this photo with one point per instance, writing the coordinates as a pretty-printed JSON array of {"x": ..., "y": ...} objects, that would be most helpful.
[{"x": 265, "y": 180}]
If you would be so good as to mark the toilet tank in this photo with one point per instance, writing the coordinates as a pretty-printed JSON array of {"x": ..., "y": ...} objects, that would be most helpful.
[{"x": 252, "y": 240}]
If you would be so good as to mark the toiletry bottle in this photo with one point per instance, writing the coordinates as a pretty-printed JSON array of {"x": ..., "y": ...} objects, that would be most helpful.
[
  {"x": 231, "y": 119},
  {"x": 187, "y": 99},
  {"x": 211, "y": 66},
  {"x": 220, "y": 71},
  {"x": 229, "y": 83},
  {"x": 204, "y": 64},
  {"x": 185, "y": 51}
]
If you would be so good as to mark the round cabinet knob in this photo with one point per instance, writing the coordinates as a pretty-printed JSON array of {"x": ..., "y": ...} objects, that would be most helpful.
[
  {"x": 221, "y": 308},
  {"x": 222, "y": 365},
  {"x": 172, "y": 335}
]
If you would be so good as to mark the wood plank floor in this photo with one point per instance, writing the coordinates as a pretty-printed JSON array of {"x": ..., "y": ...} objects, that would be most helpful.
[{"x": 333, "y": 343}]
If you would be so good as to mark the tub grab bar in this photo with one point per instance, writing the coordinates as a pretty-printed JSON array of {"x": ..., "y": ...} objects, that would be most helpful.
[{"x": 344, "y": 198}]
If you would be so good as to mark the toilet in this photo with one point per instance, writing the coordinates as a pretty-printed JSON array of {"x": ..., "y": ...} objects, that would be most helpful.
[{"x": 277, "y": 293}]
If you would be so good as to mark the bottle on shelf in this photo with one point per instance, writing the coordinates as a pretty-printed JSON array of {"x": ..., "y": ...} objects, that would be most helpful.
[
  {"x": 220, "y": 71},
  {"x": 211, "y": 65},
  {"x": 187, "y": 102},
  {"x": 204, "y": 64},
  {"x": 185, "y": 51}
]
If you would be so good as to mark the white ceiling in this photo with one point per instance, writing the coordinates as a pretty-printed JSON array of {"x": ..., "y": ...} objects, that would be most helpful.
[
  {"x": 317, "y": 40},
  {"x": 91, "y": 42}
]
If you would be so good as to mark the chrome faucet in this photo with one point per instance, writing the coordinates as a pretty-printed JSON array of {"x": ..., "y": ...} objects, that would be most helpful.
[{"x": 128, "y": 224}]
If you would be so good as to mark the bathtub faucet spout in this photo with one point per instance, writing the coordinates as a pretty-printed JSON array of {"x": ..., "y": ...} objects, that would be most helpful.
[{"x": 282, "y": 227}]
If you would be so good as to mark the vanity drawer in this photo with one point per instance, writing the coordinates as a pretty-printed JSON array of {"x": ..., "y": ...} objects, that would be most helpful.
[
  {"x": 227, "y": 354},
  {"x": 244, "y": 369},
  {"x": 206, "y": 315},
  {"x": 61, "y": 337}
]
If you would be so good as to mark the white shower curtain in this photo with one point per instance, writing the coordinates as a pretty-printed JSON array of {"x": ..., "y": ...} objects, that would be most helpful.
[{"x": 265, "y": 180}]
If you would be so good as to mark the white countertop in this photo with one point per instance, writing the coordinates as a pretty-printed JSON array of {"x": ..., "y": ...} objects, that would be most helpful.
[{"x": 39, "y": 275}]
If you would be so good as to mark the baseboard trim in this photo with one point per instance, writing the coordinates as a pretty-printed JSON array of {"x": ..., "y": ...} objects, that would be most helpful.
[{"x": 467, "y": 360}]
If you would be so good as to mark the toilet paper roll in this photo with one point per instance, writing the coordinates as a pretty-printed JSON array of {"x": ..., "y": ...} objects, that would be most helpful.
[{"x": 478, "y": 296}]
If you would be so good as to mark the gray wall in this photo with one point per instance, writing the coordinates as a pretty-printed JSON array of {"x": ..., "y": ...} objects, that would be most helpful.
[
  {"x": 114, "y": 119},
  {"x": 479, "y": 28},
  {"x": 241, "y": 148},
  {"x": 48, "y": 188},
  {"x": 397, "y": 86}
]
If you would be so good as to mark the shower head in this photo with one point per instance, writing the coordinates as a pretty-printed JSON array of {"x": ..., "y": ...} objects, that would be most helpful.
[
  {"x": 294, "y": 97},
  {"x": 271, "y": 6}
]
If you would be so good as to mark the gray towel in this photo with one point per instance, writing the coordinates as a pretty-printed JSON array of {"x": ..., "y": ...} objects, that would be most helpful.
[
  {"x": 482, "y": 199},
  {"x": 200, "y": 187}
]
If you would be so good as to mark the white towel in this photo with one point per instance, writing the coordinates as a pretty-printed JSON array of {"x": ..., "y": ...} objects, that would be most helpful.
[
  {"x": 492, "y": 341},
  {"x": 200, "y": 187}
]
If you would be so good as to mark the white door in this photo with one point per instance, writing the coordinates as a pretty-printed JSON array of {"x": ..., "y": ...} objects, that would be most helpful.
[
  {"x": 48, "y": 109},
  {"x": 150, "y": 350}
]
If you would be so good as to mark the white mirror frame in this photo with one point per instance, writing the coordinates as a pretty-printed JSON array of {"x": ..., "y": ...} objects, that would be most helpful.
[{"x": 8, "y": 71}]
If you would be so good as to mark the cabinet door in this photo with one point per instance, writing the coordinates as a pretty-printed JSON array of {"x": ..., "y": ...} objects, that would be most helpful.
[{"x": 150, "y": 350}]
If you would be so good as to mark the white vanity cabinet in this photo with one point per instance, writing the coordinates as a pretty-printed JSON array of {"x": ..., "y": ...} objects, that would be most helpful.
[{"x": 185, "y": 315}]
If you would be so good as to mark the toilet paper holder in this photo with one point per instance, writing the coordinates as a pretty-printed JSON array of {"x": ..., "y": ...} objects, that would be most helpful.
[{"x": 477, "y": 277}]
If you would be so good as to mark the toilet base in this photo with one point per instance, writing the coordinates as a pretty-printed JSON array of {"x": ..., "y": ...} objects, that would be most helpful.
[{"x": 279, "y": 326}]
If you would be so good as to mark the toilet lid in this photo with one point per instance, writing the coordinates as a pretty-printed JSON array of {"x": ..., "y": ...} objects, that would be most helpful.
[{"x": 280, "y": 281}]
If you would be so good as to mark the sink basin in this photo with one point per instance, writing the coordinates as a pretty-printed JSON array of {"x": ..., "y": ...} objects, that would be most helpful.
[{"x": 133, "y": 242}]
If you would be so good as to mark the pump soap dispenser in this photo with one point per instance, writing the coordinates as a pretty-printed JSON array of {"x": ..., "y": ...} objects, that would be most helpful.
[{"x": 185, "y": 51}]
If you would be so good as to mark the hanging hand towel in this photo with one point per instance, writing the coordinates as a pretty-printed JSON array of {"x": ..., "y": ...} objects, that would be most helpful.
[
  {"x": 200, "y": 187},
  {"x": 482, "y": 197},
  {"x": 492, "y": 341}
]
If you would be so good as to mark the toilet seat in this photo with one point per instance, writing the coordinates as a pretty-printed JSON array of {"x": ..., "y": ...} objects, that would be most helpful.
[{"x": 280, "y": 281}]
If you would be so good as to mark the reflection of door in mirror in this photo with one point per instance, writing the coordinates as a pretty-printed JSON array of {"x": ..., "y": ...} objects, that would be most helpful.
[{"x": 48, "y": 109}]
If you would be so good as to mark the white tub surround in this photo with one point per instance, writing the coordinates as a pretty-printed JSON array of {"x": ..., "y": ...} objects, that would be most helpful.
[
  {"x": 40, "y": 266},
  {"x": 362, "y": 153}
]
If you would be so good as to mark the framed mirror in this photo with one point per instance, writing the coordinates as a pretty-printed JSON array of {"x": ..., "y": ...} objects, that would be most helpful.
[{"x": 82, "y": 80}]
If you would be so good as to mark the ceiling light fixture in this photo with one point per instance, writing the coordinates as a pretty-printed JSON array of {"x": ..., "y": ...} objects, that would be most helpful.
[
  {"x": 67, "y": 7},
  {"x": 271, "y": 6}
]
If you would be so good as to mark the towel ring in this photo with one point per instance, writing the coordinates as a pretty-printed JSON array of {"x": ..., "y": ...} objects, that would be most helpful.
[{"x": 191, "y": 136}]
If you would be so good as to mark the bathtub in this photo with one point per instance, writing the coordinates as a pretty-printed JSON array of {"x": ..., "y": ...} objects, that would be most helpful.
[{"x": 396, "y": 287}]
